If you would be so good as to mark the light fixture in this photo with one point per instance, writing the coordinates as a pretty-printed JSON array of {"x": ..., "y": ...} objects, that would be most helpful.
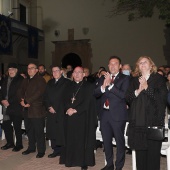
[
  {"x": 10, "y": 14},
  {"x": 56, "y": 33}
]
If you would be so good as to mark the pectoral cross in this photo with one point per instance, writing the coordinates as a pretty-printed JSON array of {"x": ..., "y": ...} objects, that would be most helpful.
[{"x": 73, "y": 99}]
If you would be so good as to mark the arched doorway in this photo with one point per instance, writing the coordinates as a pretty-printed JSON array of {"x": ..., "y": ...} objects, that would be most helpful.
[
  {"x": 68, "y": 51},
  {"x": 71, "y": 59}
]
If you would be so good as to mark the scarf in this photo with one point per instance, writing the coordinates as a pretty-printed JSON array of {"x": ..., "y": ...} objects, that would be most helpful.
[{"x": 5, "y": 116}]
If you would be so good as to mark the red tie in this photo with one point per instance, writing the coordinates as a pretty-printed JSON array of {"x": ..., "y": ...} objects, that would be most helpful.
[
  {"x": 112, "y": 80},
  {"x": 107, "y": 101}
]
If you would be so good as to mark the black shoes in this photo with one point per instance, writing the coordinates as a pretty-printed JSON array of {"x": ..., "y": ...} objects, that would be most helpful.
[
  {"x": 99, "y": 144},
  {"x": 129, "y": 152},
  {"x": 40, "y": 155},
  {"x": 28, "y": 152},
  {"x": 53, "y": 155},
  {"x": 17, "y": 148},
  {"x": 84, "y": 168},
  {"x": 7, "y": 146},
  {"x": 111, "y": 167}
]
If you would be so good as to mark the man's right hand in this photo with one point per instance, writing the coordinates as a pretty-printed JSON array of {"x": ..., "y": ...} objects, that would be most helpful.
[
  {"x": 51, "y": 110},
  {"x": 107, "y": 80},
  {"x": 5, "y": 103},
  {"x": 23, "y": 103}
]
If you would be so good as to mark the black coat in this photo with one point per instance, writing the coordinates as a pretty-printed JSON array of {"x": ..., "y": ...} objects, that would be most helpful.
[
  {"x": 54, "y": 97},
  {"x": 147, "y": 109},
  {"x": 168, "y": 98},
  {"x": 98, "y": 101},
  {"x": 14, "y": 107},
  {"x": 80, "y": 128}
]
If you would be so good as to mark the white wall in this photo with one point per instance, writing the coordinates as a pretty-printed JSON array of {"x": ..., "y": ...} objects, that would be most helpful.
[
  {"x": 5, "y": 6},
  {"x": 109, "y": 36},
  {"x": 13, "y": 6}
]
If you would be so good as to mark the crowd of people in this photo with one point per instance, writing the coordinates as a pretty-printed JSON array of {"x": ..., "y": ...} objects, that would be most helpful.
[{"x": 69, "y": 102}]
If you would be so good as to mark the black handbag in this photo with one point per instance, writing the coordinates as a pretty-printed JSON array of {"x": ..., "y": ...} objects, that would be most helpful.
[{"x": 156, "y": 133}]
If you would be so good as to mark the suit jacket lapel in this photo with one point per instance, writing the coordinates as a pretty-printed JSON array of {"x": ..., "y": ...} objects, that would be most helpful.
[
  {"x": 60, "y": 81},
  {"x": 117, "y": 78}
]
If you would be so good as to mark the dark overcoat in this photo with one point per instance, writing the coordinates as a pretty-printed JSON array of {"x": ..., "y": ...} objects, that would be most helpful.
[
  {"x": 14, "y": 107},
  {"x": 147, "y": 109},
  {"x": 80, "y": 128},
  {"x": 54, "y": 97}
]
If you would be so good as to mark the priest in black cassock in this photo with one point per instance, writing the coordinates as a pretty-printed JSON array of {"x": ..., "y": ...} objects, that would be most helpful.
[
  {"x": 54, "y": 101},
  {"x": 80, "y": 123}
]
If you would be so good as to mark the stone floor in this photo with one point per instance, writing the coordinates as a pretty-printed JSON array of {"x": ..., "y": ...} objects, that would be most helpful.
[{"x": 16, "y": 161}]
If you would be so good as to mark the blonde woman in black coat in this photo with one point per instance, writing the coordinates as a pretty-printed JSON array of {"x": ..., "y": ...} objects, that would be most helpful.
[{"x": 147, "y": 96}]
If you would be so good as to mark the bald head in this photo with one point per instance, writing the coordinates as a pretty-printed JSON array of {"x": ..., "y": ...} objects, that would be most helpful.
[{"x": 78, "y": 74}]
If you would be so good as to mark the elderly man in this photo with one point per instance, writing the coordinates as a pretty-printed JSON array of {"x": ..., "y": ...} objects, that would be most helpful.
[
  {"x": 12, "y": 110},
  {"x": 31, "y": 95},
  {"x": 80, "y": 123},
  {"x": 54, "y": 101}
]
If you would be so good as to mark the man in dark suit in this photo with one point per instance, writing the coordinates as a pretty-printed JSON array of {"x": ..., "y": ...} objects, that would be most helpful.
[
  {"x": 54, "y": 101},
  {"x": 112, "y": 87}
]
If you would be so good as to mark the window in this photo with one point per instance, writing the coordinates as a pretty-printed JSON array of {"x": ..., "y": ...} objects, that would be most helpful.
[{"x": 22, "y": 13}]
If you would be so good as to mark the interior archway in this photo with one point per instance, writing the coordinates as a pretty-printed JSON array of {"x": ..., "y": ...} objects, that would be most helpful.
[{"x": 71, "y": 59}]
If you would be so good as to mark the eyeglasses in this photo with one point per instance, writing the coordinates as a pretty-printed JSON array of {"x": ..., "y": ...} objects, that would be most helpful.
[
  {"x": 78, "y": 72},
  {"x": 31, "y": 68},
  {"x": 56, "y": 71}
]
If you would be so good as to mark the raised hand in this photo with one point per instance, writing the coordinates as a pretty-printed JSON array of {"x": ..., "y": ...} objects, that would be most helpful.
[
  {"x": 107, "y": 80},
  {"x": 143, "y": 82}
]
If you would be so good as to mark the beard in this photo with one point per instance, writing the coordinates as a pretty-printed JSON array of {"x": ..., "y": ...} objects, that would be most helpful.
[{"x": 42, "y": 74}]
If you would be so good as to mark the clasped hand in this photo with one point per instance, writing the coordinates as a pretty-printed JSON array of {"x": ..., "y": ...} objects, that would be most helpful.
[
  {"x": 51, "y": 110},
  {"x": 143, "y": 84},
  {"x": 71, "y": 111},
  {"x": 107, "y": 80},
  {"x": 5, "y": 103},
  {"x": 23, "y": 104}
]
